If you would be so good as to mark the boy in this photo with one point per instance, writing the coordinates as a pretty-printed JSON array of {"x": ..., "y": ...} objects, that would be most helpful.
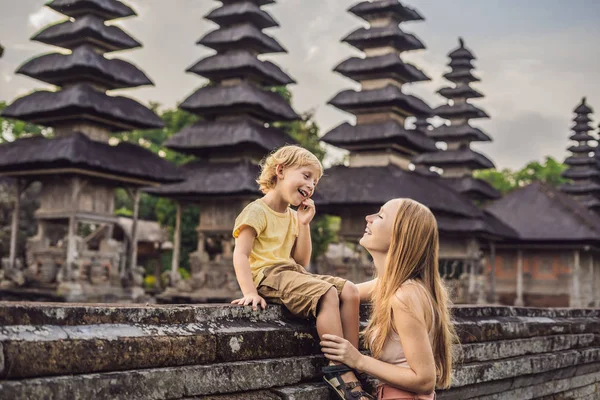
[{"x": 273, "y": 246}]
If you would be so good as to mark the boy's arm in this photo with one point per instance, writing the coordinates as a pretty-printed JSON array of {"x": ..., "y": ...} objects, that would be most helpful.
[
  {"x": 241, "y": 264},
  {"x": 303, "y": 246}
]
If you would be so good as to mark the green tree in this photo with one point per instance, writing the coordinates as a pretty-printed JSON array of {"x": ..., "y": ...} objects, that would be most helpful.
[
  {"x": 506, "y": 180},
  {"x": 12, "y": 129}
]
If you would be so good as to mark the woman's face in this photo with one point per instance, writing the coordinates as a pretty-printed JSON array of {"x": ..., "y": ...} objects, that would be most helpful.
[{"x": 378, "y": 232}]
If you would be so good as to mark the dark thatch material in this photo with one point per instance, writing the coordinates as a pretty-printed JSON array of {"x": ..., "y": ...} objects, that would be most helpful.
[
  {"x": 82, "y": 102},
  {"x": 465, "y": 157},
  {"x": 582, "y": 118},
  {"x": 584, "y": 173},
  {"x": 237, "y": 13},
  {"x": 581, "y": 149},
  {"x": 231, "y": 136},
  {"x": 388, "y": 97},
  {"x": 386, "y": 66},
  {"x": 458, "y": 132},
  {"x": 343, "y": 186},
  {"x": 425, "y": 171},
  {"x": 500, "y": 228},
  {"x": 390, "y": 35},
  {"x": 581, "y": 137},
  {"x": 581, "y": 188},
  {"x": 463, "y": 110},
  {"x": 241, "y": 37},
  {"x": 388, "y": 133},
  {"x": 257, "y": 2},
  {"x": 205, "y": 179},
  {"x": 461, "y": 64},
  {"x": 238, "y": 65},
  {"x": 473, "y": 188},
  {"x": 84, "y": 64},
  {"x": 86, "y": 30},
  {"x": 464, "y": 92},
  {"x": 539, "y": 213},
  {"x": 382, "y": 8},
  {"x": 461, "y": 76},
  {"x": 582, "y": 127},
  {"x": 462, "y": 52},
  {"x": 78, "y": 151},
  {"x": 581, "y": 161},
  {"x": 583, "y": 108},
  {"x": 212, "y": 101},
  {"x": 104, "y": 9},
  {"x": 1, "y": 50}
]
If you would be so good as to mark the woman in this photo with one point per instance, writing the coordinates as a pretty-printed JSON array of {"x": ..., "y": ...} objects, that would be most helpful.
[{"x": 410, "y": 334}]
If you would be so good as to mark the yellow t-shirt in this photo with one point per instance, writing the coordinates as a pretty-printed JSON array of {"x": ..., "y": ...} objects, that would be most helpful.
[{"x": 276, "y": 234}]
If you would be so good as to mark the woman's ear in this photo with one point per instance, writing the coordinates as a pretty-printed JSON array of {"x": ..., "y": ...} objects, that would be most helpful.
[{"x": 279, "y": 171}]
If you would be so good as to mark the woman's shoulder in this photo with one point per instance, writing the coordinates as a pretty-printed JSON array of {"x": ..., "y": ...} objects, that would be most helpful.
[{"x": 411, "y": 295}]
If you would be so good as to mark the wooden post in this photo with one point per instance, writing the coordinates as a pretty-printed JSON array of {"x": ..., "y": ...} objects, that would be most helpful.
[
  {"x": 519, "y": 300},
  {"x": 492, "y": 297},
  {"x": 71, "y": 249},
  {"x": 14, "y": 228},
  {"x": 591, "y": 277},
  {"x": 575, "y": 298},
  {"x": 134, "y": 243},
  {"x": 176, "y": 245}
]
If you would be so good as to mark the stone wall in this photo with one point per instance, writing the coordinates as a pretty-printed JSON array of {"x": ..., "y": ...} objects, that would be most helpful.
[{"x": 63, "y": 351}]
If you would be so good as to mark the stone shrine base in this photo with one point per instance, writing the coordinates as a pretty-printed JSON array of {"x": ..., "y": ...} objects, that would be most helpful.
[{"x": 108, "y": 351}]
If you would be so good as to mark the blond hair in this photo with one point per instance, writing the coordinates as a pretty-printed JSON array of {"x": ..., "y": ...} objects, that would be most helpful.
[
  {"x": 413, "y": 255},
  {"x": 286, "y": 156}
]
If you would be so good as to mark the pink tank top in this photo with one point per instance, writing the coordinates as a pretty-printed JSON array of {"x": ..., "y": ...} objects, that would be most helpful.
[{"x": 392, "y": 352}]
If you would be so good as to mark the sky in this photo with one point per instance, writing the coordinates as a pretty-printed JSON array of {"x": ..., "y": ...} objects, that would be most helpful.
[{"x": 536, "y": 59}]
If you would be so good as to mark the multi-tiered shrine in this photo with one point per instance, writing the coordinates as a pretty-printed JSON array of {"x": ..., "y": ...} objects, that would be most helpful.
[
  {"x": 237, "y": 110},
  {"x": 583, "y": 167},
  {"x": 459, "y": 161},
  {"x": 381, "y": 148},
  {"x": 78, "y": 168}
]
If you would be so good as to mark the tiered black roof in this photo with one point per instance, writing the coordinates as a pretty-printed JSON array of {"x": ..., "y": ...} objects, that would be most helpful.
[
  {"x": 1, "y": 50},
  {"x": 234, "y": 108},
  {"x": 78, "y": 152},
  {"x": 461, "y": 156},
  {"x": 361, "y": 187},
  {"x": 584, "y": 168},
  {"x": 85, "y": 74}
]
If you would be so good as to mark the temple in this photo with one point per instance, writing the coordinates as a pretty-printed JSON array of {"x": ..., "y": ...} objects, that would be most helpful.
[
  {"x": 237, "y": 109},
  {"x": 459, "y": 161},
  {"x": 382, "y": 149},
  {"x": 78, "y": 168}
]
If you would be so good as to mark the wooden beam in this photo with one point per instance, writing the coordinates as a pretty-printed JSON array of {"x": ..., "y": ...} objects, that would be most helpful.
[
  {"x": 176, "y": 245},
  {"x": 492, "y": 296},
  {"x": 14, "y": 228},
  {"x": 519, "y": 300},
  {"x": 134, "y": 245},
  {"x": 79, "y": 171}
]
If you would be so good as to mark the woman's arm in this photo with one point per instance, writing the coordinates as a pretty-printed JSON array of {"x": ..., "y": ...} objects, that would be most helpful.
[
  {"x": 365, "y": 290},
  {"x": 409, "y": 321}
]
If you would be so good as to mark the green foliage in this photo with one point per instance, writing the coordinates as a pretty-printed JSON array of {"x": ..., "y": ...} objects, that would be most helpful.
[
  {"x": 150, "y": 282},
  {"x": 323, "y": 231},
  {"x": 508, "y": 180},
  {"x": 12, "y": 129}
]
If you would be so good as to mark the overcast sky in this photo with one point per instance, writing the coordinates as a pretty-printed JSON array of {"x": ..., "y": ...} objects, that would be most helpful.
[{"x": 536, "y": 58}]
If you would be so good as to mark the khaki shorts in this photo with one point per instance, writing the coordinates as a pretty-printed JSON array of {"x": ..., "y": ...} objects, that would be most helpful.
[{"x": 297, "y": 289}]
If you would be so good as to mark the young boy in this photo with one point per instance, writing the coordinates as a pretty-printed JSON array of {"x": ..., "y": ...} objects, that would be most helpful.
[{"x": 273, "y": 246}]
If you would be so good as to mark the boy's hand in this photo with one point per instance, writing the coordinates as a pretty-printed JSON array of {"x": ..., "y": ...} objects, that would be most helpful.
[
  {"x": 253, "y": 299},
  {"x": 306, "y": 211}
]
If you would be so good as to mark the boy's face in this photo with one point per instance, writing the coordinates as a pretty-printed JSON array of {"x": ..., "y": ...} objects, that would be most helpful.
[{"x": 296, "y": 184}]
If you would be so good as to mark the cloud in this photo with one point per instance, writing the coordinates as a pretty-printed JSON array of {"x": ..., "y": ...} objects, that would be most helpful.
[{"x": 41, "y": 18}]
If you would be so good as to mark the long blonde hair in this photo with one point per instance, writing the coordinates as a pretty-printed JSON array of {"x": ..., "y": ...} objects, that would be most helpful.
[{"x": 413, "y": 254}]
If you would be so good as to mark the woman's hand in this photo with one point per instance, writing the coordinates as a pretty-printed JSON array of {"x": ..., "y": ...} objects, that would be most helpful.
[{"x": 340, "y": 350}]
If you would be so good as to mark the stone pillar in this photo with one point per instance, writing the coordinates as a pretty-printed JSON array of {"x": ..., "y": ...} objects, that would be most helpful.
[
  {"x": 71, "y": 248},
  {"x": 14, "y": 228},
  {"x": 492, "y": 294},
  {"x": 575, "y": 298},
  {"x": 176, "y": 245},
  {"x": 519, "y": 300}
]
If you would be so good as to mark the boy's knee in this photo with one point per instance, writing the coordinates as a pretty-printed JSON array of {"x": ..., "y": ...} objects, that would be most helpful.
[
  {"x": 330, "y": 298},
  {"x": 350, "y": 292}
]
